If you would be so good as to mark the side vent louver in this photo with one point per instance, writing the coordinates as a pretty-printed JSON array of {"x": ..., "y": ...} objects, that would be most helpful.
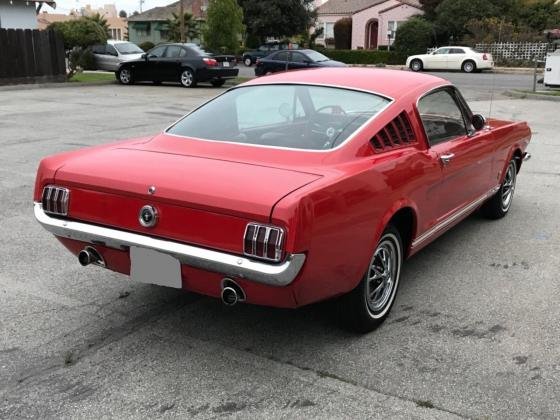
[{"x": 398, "y": 133}]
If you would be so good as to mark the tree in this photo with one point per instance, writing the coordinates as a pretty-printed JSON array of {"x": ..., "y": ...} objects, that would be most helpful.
[
  {"x": 453, "y": 15},
  {"x": 100, "y": 20},
  {"x": 278, "y": 18},
  {"x": 122, "y": 14},
  {"x": 429, "y": 8},
  {"x": 224, "y": 25},
  {"x": 414, "y": 36},
  {"x": 537, "y": 14},
  {"x": 493, "y": 29},
  {"x": 192, "y": 28},
  {"x": 78, "y": 35},
  {"x": 343, "y": 34}
]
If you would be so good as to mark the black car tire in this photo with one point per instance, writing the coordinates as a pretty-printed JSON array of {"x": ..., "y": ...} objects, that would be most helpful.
[
  {"x": 363, "y": 310},
  {"x": 187, "y": 78},
  {"x": 248, "y": 61},
  {"x": 416, "y": 65},
  {"x": 469, "y": 66},
  {"x": 218, "y": 83},
  {"x": 125, "y": 76},
  {"x": 499, "y": 204}
]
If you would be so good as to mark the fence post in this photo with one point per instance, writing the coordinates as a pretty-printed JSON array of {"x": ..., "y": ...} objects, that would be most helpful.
[{"x": 535, "y": 74}]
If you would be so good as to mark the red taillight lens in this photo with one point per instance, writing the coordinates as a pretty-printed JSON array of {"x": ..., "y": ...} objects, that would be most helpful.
[
  {"x": 264, "y": 242},
  {"x": 210, "y": 62},
  {"x": 485, "y": 57},
  {"x": 258, "y": 61}
]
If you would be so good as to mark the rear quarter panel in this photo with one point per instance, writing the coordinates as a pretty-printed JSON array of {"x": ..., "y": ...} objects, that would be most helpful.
[{"x": 510, "y": 137}]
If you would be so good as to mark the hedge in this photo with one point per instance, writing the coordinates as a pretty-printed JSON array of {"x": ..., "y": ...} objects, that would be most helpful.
[{"x": 365, "y": 56}]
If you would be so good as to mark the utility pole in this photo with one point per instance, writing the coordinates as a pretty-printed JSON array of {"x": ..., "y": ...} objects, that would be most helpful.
[
  {"x": 182, "y": 21},
  {"x": 141, "y": 3}
]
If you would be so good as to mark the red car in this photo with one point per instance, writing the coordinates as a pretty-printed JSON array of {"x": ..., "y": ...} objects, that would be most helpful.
[{"x": 288, "y": 190}]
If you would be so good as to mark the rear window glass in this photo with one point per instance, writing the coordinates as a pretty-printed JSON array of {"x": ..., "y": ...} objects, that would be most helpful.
[{"x": 291, "y": 116}]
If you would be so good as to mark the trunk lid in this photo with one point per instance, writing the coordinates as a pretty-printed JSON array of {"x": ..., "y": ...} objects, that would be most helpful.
[{"x": 218, "y": 185}]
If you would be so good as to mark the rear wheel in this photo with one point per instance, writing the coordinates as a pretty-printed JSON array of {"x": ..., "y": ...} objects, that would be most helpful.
[
  {"x": 469, "y": 66},
  {"x": 125, "y": 76},
  {"x": 416, "y": 65},
  {"x": 499, "y": 204},
  {"x": 218, "y": 83},
  {"x": 187, "y": 78},
  {"x": 368, "y": 305}
]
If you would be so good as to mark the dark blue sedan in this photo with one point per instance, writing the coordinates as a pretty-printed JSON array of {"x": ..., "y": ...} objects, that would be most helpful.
[{"x": 292, "y": 60}]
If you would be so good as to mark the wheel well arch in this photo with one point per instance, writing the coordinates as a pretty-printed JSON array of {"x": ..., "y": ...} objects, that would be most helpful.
[
  {"x": 518, "y": 156},
  {"x": 404, "y": 220},
  {"x": 468, "y": 60}
]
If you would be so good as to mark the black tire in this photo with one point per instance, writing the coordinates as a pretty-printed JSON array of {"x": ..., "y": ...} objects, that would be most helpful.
[
  {"x": 218, "y": 83},
  {"x": 125, "y": 76},
  {"x": 499, "y": 204},
  {"x": 157, "y": 82},
  {"x": 469, "y": 66},
  {"x": 363, "y": 310},
  {"x": 187, "y": 78},
  {"x": 248, "y": 61},
  {"x": 416, "y": 65}
]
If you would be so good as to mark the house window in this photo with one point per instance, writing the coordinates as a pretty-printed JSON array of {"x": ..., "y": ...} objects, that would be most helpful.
[
  {"x": 115, "y": 33},
  {"x": 329, "y": 30}
]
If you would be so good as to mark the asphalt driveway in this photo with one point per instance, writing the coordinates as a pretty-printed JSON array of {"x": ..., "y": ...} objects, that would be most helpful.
[{"x": 474, "y": 332}]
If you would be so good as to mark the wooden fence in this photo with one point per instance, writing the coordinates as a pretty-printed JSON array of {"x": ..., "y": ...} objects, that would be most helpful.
[{"x": 31, "y": 56}]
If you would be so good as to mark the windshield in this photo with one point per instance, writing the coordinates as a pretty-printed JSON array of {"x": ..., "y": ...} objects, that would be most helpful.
[
  {"x": 316, "y": 56},
  {"x": 128, "y": 48},
  {"x": 290, "y": 116}
]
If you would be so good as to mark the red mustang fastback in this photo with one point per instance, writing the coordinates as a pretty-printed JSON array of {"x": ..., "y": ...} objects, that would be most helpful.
[{"x": 288, "y": 190}]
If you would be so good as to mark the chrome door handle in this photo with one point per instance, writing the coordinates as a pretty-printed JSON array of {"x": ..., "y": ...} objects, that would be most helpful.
[{"x": 445, "y": 159}]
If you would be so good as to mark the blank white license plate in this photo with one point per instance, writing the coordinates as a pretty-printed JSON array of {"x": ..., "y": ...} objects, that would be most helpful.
[
  {"x": 225, "y": 64},
  {"x": 152, "y": 267}
]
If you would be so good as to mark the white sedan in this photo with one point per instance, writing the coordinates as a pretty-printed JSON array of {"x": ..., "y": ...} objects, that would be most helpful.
[{"x": 451, "y": 58}]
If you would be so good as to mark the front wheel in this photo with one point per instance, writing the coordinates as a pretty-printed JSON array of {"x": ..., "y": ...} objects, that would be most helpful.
[
  {"x": 125, "y": 76},
  {"x": 416, "y": 65},
  {"x": 368, "y": 305},
  {"x": 188, "y": 78},
  {"x": 499, "y": 204}
]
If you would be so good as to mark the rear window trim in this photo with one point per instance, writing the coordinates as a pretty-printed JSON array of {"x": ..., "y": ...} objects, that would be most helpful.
[{"x": 357, "y": 132}]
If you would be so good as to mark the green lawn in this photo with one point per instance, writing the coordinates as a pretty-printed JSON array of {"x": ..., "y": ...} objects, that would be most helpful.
[{"x": 93, "y": 77}]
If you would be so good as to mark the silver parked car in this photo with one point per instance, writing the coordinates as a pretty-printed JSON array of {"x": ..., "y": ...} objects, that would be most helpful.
[{"x": 110, "y": 56}]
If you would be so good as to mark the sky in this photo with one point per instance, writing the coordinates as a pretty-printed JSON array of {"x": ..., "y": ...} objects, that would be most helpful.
[{"x": 64, "y": 6}]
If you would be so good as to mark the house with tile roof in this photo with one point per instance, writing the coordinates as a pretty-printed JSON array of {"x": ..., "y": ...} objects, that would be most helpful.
[
  {"x": 374, "y": 22},
  {"x": 151, "y": 25}
]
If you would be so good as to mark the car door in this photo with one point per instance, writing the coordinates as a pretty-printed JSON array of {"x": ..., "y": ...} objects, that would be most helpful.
[
  {"x": 465, "y": 156},
  {"x": 438, "y": 59},
  {"x": 297, "y": 60},
  {"x": 170, "y": 63},
  {"x": 151, "y": 69},
  {"x": 111, "y": 58},
  {"x": 455, "y": 58},
  {"x": 279, "y": 61}
]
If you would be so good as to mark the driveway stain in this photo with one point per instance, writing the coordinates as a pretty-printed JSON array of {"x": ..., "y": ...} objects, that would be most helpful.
[{"x": 520, "y": 360}]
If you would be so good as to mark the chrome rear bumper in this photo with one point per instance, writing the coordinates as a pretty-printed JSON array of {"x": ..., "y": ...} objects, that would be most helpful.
[{"x": 227, "y": 264}]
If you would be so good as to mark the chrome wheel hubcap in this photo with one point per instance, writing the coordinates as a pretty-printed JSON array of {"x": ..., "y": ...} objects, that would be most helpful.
[
  {"x": 416, "y": 65},
  {"x": 382, "y": 276},
  {"x": 468, "y": 67},
  {"x": 508, "y": 187},
  {"x": 248, "y": 62},
  {"x": 186, "y": 78},
  {"x": 125, "y": 76}
]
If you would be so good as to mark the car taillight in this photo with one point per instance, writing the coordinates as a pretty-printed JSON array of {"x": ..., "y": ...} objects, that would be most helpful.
[
  {"x": 258, "y": 61},
  {"x": 484, "y": 56},
  {"x": 264, "y": 242},
  {"x": 55, "y": 200},
  {"x": 210, "y": 62}
]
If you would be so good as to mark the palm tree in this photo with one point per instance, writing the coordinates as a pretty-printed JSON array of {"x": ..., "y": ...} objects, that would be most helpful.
[
  {"x": 192, "y": 29},
  {"x": 100, "y": 20}
]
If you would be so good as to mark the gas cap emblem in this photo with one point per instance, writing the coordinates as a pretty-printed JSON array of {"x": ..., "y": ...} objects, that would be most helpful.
[
  {"x": 148, "y": 216},
  {"x": 152, "y": 189}
]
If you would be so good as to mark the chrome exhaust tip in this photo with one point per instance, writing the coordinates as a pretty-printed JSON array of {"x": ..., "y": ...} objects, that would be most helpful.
[
  {"x": 229, "y": 296},
  {"x": 89, "y": 255}
]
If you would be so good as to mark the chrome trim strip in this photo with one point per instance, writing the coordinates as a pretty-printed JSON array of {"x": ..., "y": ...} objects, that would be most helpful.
[
  {"x": 357, "y": 132},
  {"x": 220, "y": 262},
  {"x": 452, "y": 218}
]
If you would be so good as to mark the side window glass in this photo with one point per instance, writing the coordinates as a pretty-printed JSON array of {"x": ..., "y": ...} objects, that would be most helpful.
[
  {"x": 110, "y": 50},
  {"x": 172, "y": 51},
  {"x": 157, "y": 52},
  {"x": 98, "y": 49},
  {"x": 442, "y": 51},
  {"x": 441, "y": 116},
  {"x": 281, "y": 56},
  {"x": 183, "y": 53},
  {"x": 298, "y": 58}
]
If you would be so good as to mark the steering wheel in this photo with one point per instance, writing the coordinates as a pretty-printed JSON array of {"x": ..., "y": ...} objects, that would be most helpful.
[{"x": 336, "y": 109}]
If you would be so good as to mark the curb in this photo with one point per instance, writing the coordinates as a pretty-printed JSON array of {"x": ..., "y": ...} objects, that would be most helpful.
[
  {"x": 57, "y": 85},
  {"x": 529, "y": 95},
  {"x": 497, "y": 70}
]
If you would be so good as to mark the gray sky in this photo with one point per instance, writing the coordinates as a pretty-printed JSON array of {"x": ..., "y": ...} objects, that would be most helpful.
[{"x": 64, "y": 6}]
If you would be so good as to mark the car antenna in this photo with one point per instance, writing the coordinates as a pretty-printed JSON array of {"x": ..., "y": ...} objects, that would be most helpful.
[{"x": 494, "y": 72}]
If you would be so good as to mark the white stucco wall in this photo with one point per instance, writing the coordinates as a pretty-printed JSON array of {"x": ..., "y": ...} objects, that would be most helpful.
[
  {"x": 18, "y": 15},
  {"x": 398, "y": 14}
]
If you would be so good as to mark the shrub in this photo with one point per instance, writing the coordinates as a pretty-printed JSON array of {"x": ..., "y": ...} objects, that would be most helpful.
[
  {"x": 343, "y": 34},
  {"x": 86, "y": 60},
  {"x": 365, "y": 56},
  {"x": 147, "y": 45},
  {"x": 414, "y": 37}
]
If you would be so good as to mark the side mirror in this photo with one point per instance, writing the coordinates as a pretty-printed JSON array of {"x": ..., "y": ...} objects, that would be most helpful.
[
  {"x": 478, "y": 122},
  {"x": 144, "y": 56}
]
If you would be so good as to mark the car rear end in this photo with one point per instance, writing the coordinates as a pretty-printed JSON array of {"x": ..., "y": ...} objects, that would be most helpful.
[
  {"x": 217, "y": 68},
  {"x": 485, "y": 61}
]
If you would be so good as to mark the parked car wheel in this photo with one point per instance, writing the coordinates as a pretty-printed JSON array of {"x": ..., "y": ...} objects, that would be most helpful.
[
  {"x": 416, "y": 65},
  {"x": 469, "y": 66},
  {"x": 218, "y": 83},
  {"x": 368, "y": 305},
  {"x": 248, "y": 61},
  {"x": 125, "y": 76},
  {"x": 499, "y": 204},
  {"x": 188, "y": 78}
]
